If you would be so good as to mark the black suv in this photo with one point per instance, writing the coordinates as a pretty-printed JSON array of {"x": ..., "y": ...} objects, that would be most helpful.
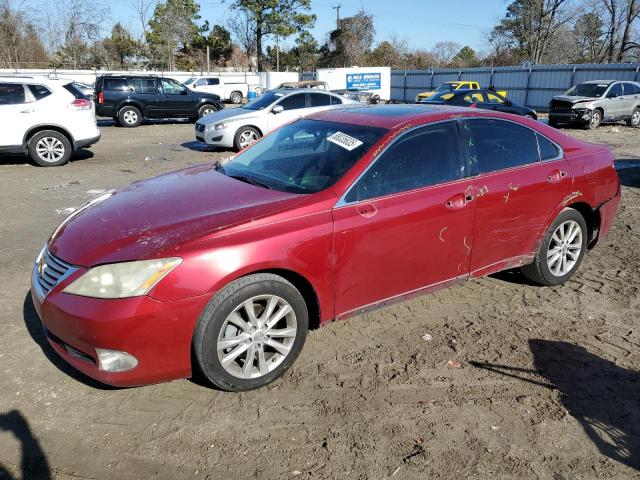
[{"x": 129, "y": 99}]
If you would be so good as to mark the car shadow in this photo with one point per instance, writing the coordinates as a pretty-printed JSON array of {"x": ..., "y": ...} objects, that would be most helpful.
[
  {"x": 82, "y": 154},
  {"x": 34, "y": 327},
  {"x": 515, "y": 276},
  {"x": 110, "y": 122},
  {"x": 33, "y": 461},
  {"x": 602, "y": 396},
  {"x": 201, "y": 147},
  {"x": 629, "y": 172}
]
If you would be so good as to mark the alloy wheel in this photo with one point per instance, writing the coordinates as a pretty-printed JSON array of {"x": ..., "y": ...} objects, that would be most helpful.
[
  {"x": 564, "y": 248},
  {"x": 595, "y": 119},
  {"x": 207, "y": 111},
  {"x": 635, "y": 118},
  {"x": 257, "y": 336},
  {"x": 247, "y": 138},
  {"x": 50, "y": 149}
]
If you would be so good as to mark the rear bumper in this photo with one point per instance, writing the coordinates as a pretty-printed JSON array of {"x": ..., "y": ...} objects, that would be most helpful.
[
  {"x": 608, "y": 212},
  {"x": 87, "y": 142}
]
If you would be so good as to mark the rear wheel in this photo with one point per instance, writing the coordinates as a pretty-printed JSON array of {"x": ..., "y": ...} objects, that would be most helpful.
[
  {"x": 634, "y": 121},
  {"x": 129, "y": 117},
  {"x": 561, "y": 250},
  {"x": 236, "y": 97},
  {"x": 251, "y": 332},
  {"x": 245, "y": 136},
  {"x": 49, "y": 148}
]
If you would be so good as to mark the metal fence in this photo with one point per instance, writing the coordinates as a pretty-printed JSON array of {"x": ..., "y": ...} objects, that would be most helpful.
[{"x": 532, "y": 86}]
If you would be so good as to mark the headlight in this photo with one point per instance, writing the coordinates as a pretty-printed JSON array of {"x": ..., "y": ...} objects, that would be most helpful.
[
  {"x": 220, "y": 126},
  {"x": 121, "y": 280}
]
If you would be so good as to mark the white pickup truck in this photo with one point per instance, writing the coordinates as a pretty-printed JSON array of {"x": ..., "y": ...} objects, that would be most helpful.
[{"x": 232, "y": 92}]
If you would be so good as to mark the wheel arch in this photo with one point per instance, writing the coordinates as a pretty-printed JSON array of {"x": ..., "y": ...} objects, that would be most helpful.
[
  {"x": 252, "y": 126},
  {"x": 591, "y": 217},
  {"x": 304, "y": 286},
  {"x": 39, "y": 128},
  {"x": 130, "y": 103}
]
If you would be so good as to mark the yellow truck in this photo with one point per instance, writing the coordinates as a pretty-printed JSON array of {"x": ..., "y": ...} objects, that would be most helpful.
[{"x": 451, "y": 86}]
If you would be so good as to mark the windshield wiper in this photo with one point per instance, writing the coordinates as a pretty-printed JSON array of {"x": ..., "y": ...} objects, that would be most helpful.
[{"x": 251, "y": 181}]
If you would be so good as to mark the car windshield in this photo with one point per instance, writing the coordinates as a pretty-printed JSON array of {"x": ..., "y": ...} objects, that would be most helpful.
[
  {"x": 304, "y": 157},
  {"x": 592, "y": 90},
  {"x": 263, "y": 101},
  {"x": 447, "y": 87}
]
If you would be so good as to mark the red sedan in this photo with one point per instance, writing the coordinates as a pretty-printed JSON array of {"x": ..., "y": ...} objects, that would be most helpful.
[{"x": 224, "y": 268}]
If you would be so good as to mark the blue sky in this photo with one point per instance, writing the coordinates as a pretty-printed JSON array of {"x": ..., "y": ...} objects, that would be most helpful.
[{"x": 421, "y": 23}]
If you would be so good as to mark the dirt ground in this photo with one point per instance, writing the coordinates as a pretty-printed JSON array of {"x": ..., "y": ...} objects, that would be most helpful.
[{"x": 547, "y": 387}]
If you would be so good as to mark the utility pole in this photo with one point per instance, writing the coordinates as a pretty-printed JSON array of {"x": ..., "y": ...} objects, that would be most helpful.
[
  {"x": 337, "y": 9},
  {"x": 208, "y": 65},
  {"x": 277, "y": 52}
]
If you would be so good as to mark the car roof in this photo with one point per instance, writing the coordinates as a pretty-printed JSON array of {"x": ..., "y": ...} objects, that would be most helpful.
[
  {"x": 600, "y": 81},
  {"x": 42, "y": 79},
  {"x": 399, "y": 115},
  {"x": 290, "y": 91}
]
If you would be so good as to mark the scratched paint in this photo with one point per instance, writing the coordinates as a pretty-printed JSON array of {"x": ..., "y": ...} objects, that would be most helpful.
[
  {"x": 483, "y": 191},
  {"x": 441, "y": 233}
]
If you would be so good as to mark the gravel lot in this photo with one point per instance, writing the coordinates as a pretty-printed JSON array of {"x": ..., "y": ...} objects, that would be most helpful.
[{"x": 544, "y": 382}]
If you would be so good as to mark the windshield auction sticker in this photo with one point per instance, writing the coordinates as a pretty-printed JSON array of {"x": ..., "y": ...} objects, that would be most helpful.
[{"x": 344, "y": 140}]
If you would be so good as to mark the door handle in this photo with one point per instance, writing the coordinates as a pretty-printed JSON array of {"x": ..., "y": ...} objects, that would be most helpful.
[
  {"x": 27, "y": 111},
  {"x": 367, "y": 210},
  {"x": 459, "y": 200},
  {"x": 556, "y": 176}
]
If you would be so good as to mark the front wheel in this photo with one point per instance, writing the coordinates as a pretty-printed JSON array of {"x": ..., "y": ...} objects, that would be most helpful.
[
  {"x": 129, "y": 117},
  {"x": 245, "y": 136},
  {"x": 206, "y": 110},
  {"x": 251, "y": 332},
  {"x": 634, "y": 121},
  {"x": 595, "y": 120},
  {"x": 236, "y": 97},
  {"x": 561, "y": 250}
]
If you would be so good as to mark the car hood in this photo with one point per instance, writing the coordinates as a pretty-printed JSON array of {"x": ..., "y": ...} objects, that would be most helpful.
[
  {"x": 206, "y": 95},
  {"x": 574, "y": 100},
  {"x": 161, "y": 214},
  {"x": 227, "y": 114}
]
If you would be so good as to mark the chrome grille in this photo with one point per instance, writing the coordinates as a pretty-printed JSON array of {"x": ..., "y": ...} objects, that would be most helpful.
[{"x": 50, "y": 270}]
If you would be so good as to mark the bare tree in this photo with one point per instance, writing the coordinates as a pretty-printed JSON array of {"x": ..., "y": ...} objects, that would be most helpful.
[
  {"x": 444, "y": 52},
  {"x": 243, "y": 33}
]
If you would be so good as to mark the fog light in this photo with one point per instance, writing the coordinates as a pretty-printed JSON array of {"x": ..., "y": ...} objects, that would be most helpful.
[{"x": 115, "y": 361}]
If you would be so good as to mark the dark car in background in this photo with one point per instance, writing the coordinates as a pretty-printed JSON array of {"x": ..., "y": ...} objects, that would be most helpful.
[
  {"x": 129, "y": 99},
  {"x": 596, "y": 101},
  {"x": 480, "y": 98}
]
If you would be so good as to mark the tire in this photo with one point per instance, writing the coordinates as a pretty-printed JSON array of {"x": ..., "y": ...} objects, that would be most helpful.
[
  {"x": 206, "y": 109},
  {"x": 553, "y": 123},
  {"x": 129, "y": 117},
  {"x": 544, "y": 270},
  {"x": 49, "y": 148},
  {"x": 594, "y": 121},
  {"x": 634, "y": 121},
  {"x": 236, "y": 97},
  {"x": 227, "y": 320},
  {"x": 245, "y": 136}
]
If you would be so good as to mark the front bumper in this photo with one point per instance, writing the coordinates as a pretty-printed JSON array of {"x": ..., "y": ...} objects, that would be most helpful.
[
  {"x": 220, "y": 138},
  {"x": 158, "y": 334},
  {"x": 574, "y": 116}
]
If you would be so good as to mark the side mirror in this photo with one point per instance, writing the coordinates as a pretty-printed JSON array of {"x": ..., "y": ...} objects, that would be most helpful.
[{"x": 277, "y": 109}]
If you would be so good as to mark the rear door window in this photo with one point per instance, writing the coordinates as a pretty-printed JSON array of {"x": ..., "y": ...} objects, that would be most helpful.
[
  {"x": 425, "y": 156},
  {"x": 293, "y": 102},
  {"x": 320, "y": 99},
  {"x": 11, "y": 94},
  {"x": 213, "y": 81},
  {"x": 144, "y": 85},
  {"x": 497, "y": 144}
]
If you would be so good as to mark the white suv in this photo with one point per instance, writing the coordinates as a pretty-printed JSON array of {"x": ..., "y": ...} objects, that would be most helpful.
[{"x": 47, "y": 118}]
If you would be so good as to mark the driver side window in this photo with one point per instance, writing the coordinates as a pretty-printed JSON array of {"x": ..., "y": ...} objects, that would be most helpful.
[
  {"x": 172, "y": 87},
  {"x": 293, "y": 102},
  {"x": 615, "y": 91}
]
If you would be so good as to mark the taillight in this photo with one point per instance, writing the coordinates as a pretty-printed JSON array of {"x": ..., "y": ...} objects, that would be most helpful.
[
  {"x": 473, "y": 105},
  {"x": 81, "y": 104},
  {"x": 100, "y": 98}
]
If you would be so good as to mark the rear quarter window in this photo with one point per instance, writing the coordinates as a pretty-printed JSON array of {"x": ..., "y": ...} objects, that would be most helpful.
[
  {"x": 39, "y": 91},
  {"x": 548, "y": 149},
  {"x": 75, "y": 91},
  {"x": 115, "y": 85}
]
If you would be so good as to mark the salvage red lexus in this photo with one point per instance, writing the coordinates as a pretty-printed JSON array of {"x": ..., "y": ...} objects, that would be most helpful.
[{"x": 224, "y": 267}]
